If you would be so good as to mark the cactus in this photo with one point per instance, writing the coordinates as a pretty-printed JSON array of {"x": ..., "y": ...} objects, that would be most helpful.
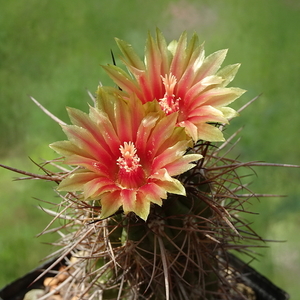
[{"x": 151, "y": 202}]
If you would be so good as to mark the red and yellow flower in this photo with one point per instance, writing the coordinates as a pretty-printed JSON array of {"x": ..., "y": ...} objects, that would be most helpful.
[
  {"x": 127, "y": 152},
  {"x": 182, "y": 80}
]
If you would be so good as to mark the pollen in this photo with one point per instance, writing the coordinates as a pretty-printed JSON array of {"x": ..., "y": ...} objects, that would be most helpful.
[
  {"x": 169, "y": 103},
  {"x": 129, "y": 161}
]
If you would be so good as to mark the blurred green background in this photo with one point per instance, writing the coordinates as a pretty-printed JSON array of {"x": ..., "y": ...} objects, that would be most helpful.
[{"x": 52, "y": 50}]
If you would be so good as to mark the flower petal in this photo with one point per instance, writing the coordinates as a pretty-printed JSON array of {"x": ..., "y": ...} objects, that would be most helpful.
[
  {"x": 169, "y": 155},
  {"x": 83, "y": 120},
  {"x": 164, "y": 52},
  {"x": 110, "y": 203},
  {"x": 228, "y": 73},
  {"x": 83, "y": 139},
  {"x": 197, "y": 81},
  {"x": 111, "y": 138},
  {"x": 210, "y": 133},
  {"x": 211, "y": 64},
  {"x": 143, "y": 134},
  {"x": 183, "y": 164},
  {"x": 153, "y": 192},
  {"x": 142, "y": 208},
  {"x": 122, "y": 79},
  {"x": 190, "y": 128},
  {"x": 202, "y": 131},
  {"x": 67, "y": 148},
  {"x": 98, "y": 186},
  {"x": 178, "y": 61},
  {"x": 129, "y": 54},
  {"x": 224, "y": 96},
  {"x": 228, "y": 112},
  {"x": 217, "y": 97},
  {"x": 129, "y": 200},
  {"x": 98, "y": 167},
  {"x": 161, "y": 132},
  {"x": 207, "y": 113},
  {"x": 171, "y": 185},
  {"x": 76, "y": 181},
  {"x": 153, "y": 63}
]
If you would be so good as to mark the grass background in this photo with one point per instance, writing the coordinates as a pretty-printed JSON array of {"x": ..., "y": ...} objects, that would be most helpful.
[{"x": 52, "y": 50}]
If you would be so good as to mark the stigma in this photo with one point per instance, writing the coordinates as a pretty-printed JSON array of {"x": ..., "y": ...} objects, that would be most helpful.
[
  {"x": 169, "y": 103},
  {"x": 129, "y": 160}
]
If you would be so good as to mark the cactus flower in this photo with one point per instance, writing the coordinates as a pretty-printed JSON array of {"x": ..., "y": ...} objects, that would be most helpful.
[
  {"x": 182, "y": 80},
  {"x": 127, "y": 152}
]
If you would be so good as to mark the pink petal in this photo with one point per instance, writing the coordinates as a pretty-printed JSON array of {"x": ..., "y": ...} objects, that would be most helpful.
[
  {"x": 143, "y": 133},
  {"x": 205, "y": 110},
  {"x": 153, "y": 192},
  {"x": 223, "y": 96},
  {"x": 122, "y": 79},
  {"x": 185, "y": 82},
  {"x": 142, "y": 207},
  {"x": 98, "y": 186},
  {"x": 153, "y": 65},
  {"x": 164, "y": 52},
  {"x": 178, "y": 134},
  {"x": 129, "y": 200},
  {"x": 194, "y": 55},
  {"x": 145, "y": 88},
  {"x": 124, "y": 119},
  {"x": 101, "y": 168},
  {"x": 206, "y": 113},
  {"x": 82, "y": 119},
  {"x": 110, "y": 203},
  {"x": 182, "y": 165},
  {"x": 199, "y": 87},
  {"x": 109, "y": 134},
  {"x": 161, "y": 132},
  {"x": 128, "y": 116},
  {"x": 216, "y": 97},
  {"x": 76, "y": 181},
  {"x": 179, "y": 59},
  {"x": 190, "y": 128},
  {"x": 82, "y": 138},
  {"x": 169, "y": 155}
]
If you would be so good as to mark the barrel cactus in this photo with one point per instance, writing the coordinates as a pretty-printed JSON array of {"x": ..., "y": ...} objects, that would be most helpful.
[{"x": 150, "y": 199}]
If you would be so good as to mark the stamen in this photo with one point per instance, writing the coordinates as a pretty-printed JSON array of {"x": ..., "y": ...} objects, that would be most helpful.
[
  {"x": 129, "y": 161},
  {"x": 168, "y": 103}
]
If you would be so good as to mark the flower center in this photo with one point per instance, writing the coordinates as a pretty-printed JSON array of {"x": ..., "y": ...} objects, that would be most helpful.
[
  {"x": 129, "y": 161},
  {"x": 130, "y": 174},
  {"x": 169, "y": 103}
]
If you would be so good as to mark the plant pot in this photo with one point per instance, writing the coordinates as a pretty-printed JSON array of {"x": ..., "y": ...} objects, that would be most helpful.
[
  {"x": 259, "y": 286},
  {"x": 17, "y": 289},
  {"x": 263, "y": 288}
]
